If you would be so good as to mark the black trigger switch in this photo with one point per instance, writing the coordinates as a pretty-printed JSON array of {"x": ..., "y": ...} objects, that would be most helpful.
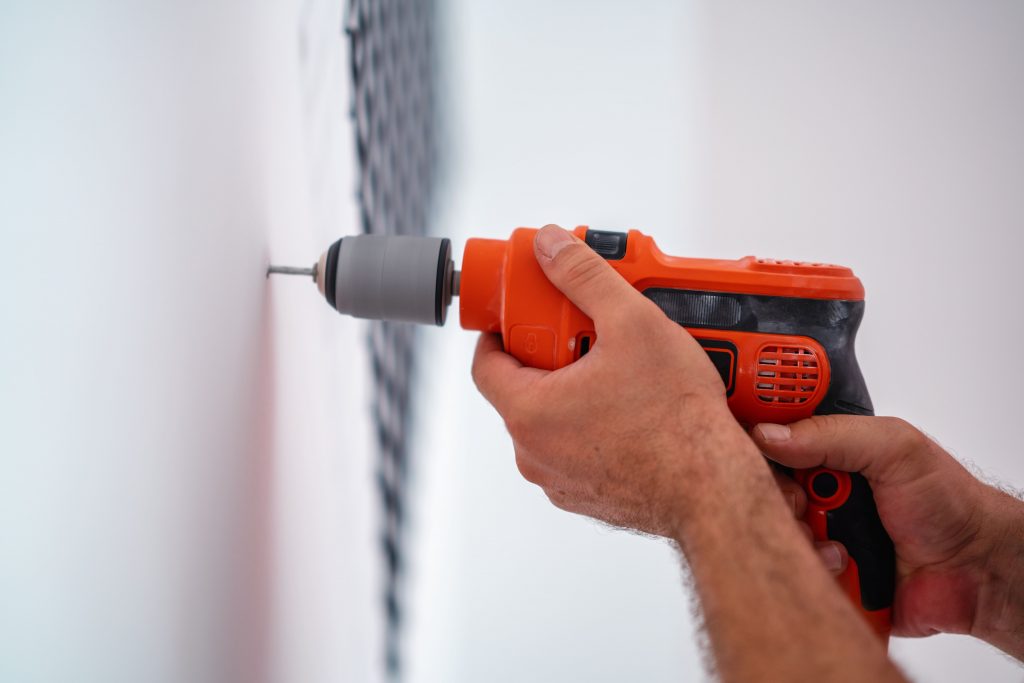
[{"x": 610, "y": 245}]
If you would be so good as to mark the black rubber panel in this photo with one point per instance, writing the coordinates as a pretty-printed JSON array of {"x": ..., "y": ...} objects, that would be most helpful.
[
  {"x": 584, "y": 345},
  {"x": 610, "y": 245},
  {"x": 696, "y": 309},
  {"x": 331, "y": 273},
  {"x": 857, "y": 526},
  {"x": 443, "y": 256},
  {"x": 832, "y": 323},
  {"x": 723, "y": 356}
]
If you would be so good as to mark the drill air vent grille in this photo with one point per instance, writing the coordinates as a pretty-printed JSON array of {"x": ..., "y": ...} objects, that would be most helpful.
[{"x": 787, "y": 374}]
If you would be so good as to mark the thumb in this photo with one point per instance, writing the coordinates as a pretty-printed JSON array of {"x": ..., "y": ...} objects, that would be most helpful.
[
  {"x": 581, "y": 274},
  {"x": 883, "y": 449}
]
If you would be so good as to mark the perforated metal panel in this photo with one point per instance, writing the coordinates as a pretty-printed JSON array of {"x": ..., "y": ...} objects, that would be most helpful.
[{"x": 392, "y": 59}]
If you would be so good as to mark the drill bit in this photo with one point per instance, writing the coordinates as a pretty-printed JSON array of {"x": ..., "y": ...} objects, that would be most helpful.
[{"x": 293, "y": 270}]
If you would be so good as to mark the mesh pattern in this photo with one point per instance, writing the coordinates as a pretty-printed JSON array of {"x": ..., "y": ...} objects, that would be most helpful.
[
  {"x": 392, "y": 60},
  {"x": 787, "y": 374}
]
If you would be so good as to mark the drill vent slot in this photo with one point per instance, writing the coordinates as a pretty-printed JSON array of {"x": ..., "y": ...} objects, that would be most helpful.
[
  {"x": 797, "y": 264},
  {"x": 787, "y": 374}
]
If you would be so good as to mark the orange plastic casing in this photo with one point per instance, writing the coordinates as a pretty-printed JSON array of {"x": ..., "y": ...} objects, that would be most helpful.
[{"x": 504, "y": 290}]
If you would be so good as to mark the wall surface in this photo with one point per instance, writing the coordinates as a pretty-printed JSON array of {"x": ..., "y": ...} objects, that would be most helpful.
[
  {"x": 568, "y": 112},
  {"x": 885, "y": 136},
  {"x": 186, "y": 470},
  {"x": 185, "y": 456}
]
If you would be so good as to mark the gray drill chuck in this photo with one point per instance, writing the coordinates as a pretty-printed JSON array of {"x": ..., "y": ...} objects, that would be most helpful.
[{"x": 389, "y": 277}]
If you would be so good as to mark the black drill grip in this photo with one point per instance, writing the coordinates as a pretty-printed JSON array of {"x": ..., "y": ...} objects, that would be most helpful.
[{"x": 842, "y": 508}]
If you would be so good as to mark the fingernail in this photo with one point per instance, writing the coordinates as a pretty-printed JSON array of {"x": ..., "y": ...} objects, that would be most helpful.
[
  {"x": 772, "y": 432},
  {"x": 831, "y": 556},
  {"x": 551, "y": 239}
]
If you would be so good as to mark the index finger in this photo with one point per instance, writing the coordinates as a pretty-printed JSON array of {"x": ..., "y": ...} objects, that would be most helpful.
[{"x": 879, "y": 447}]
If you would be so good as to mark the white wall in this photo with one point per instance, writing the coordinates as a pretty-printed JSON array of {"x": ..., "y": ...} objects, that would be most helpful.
[
  {"x": 185, "y": 478},
  {"x": 888, "y": 136},
  {"x": 883, "y": 136},
  {"x": 559, "y": 112}
]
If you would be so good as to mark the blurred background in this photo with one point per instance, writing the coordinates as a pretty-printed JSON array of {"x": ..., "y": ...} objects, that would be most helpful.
[
  {"x": 883, "y": 136},
  {"x": 194, "y": 479}
]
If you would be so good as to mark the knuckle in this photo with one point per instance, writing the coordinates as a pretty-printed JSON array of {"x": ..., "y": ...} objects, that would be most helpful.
[
  {"x": 476, "y": 371},
  {"x": 559, "y": 498},
  {"x": 530, "y": 472},
  {"x": 521, "y": 421},
  {"x": 638, "y": 318},
  {"x": 906, "y": 437},
  {"x": 581, "y": 267},
  {"x": 826, "y": 427},
  {"x": 516, "y": 426}
]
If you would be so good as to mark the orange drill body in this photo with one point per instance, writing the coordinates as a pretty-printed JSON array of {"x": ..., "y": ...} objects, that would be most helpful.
[{"x": 780, "y": 334}]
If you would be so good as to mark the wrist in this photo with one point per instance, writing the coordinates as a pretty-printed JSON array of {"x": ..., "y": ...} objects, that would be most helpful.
[
  {"x": 733, "y": 481},
  {"x": 999, "y": 617}
]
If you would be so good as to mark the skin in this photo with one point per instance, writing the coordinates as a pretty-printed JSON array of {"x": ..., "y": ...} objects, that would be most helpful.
[
  {"x": 661, "y": 454},
  {"x": 959, "y": 543}
]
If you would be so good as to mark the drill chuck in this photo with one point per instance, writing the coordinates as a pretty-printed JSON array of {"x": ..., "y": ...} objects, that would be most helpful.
[{"x": 389, "y": 277}]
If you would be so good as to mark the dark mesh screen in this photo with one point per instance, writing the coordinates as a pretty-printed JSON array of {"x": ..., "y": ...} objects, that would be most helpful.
[
  {"x": 392, "y": 59},
  {"x": 696, "y": 309}
]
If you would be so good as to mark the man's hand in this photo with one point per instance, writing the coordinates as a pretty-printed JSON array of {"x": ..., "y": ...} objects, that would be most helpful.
[
  {"x": 959, "y": 543},
  {"x": 635, "y": 432}
]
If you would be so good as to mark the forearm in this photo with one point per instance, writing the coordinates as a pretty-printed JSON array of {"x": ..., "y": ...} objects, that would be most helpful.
[
  {"x": 999, "y": 619},
  {"x": 771, "y": 610}
]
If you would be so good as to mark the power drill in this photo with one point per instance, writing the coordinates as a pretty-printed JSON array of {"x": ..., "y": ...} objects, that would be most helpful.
[{"x": 780, "y": 333}]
